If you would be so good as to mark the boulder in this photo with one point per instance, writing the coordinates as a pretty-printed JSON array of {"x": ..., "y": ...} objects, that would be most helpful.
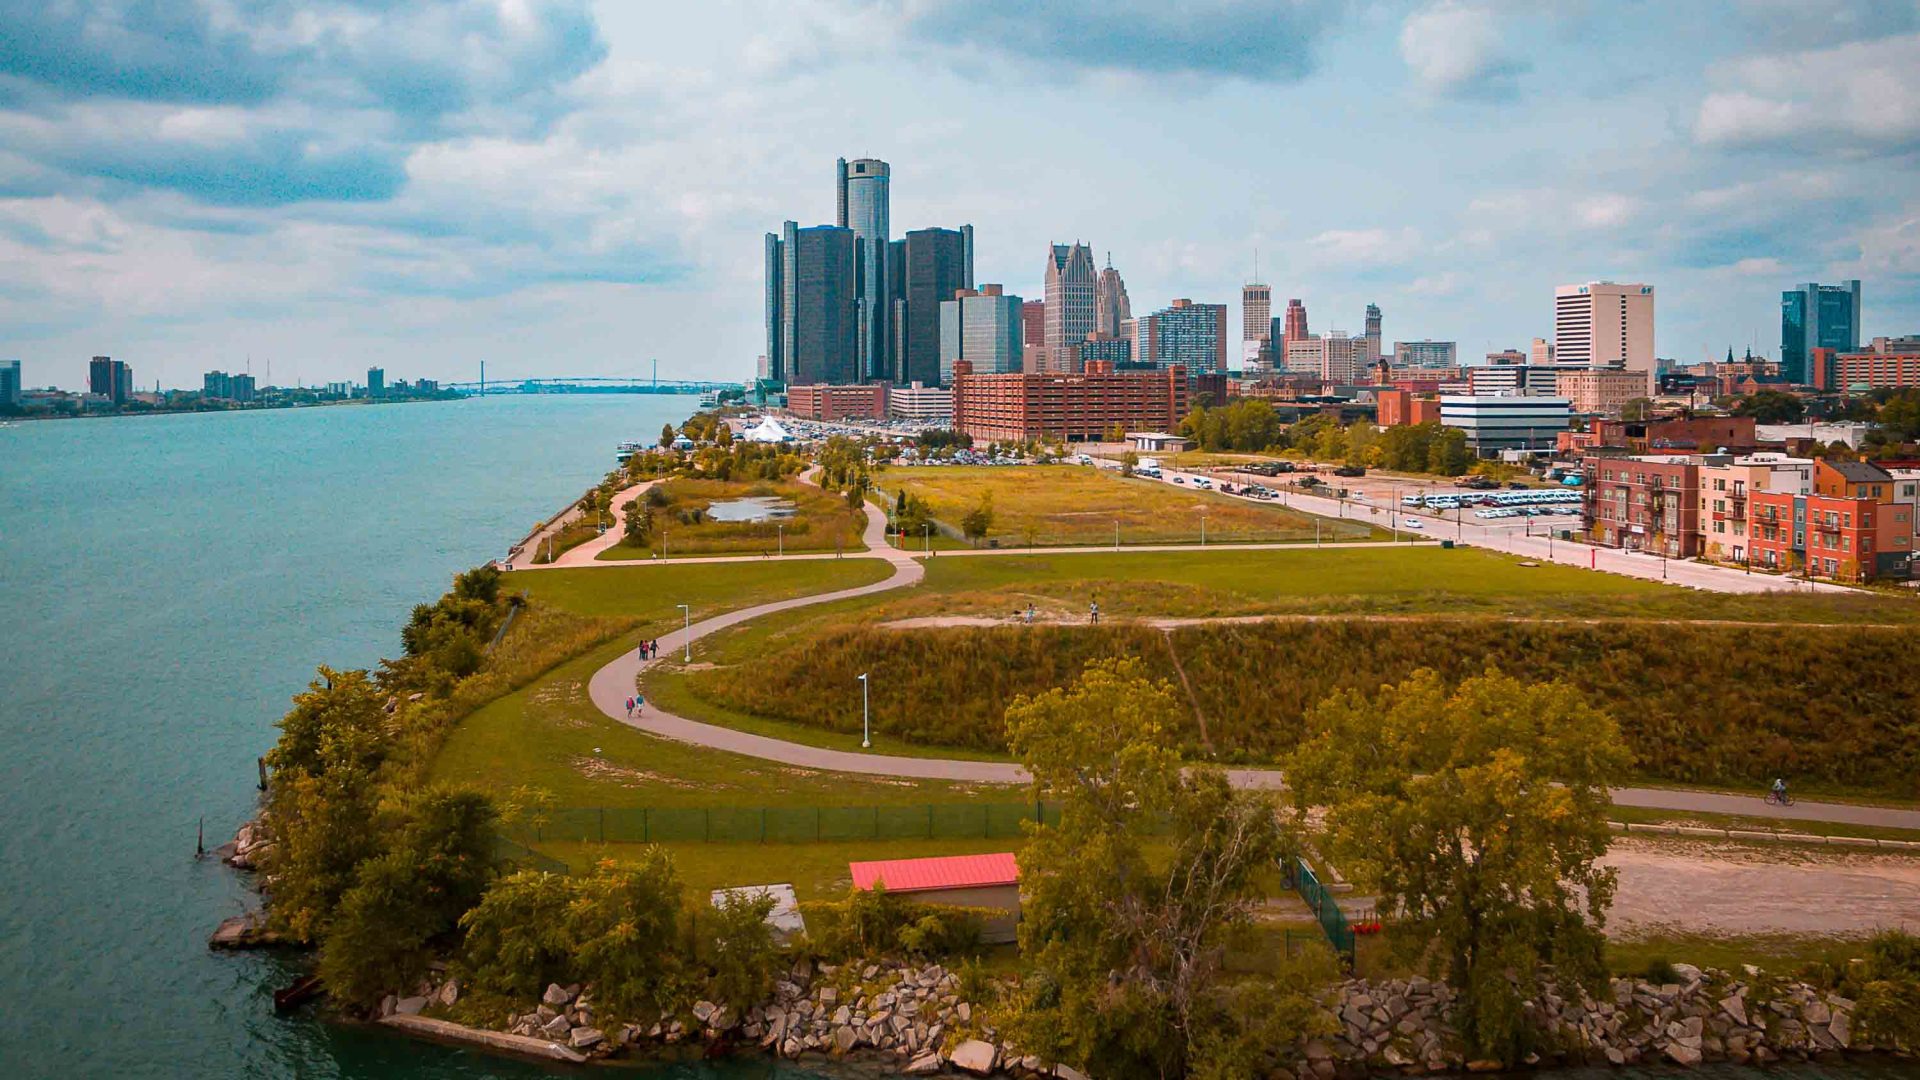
[
  {"x": 449, "y": 993},
  {"x": 1816, "y": 1013},
  {"x": 585, "y": 1038},
  {"x": 925, "y": 1064},
  {"x": 843, "y": 1039},
  {"x": 556, "y": 997},
  {"x": 1841, "y": 1028},
  {"x": 556, "y": 1028},
  {"x": 1682, "y": 1054},
  {"x": 410, "y": 1006},
  {"x": 704, "y": 1010},
  {"x": 974, "y": 1056},
  {"x": 1736, "y": 1009}
]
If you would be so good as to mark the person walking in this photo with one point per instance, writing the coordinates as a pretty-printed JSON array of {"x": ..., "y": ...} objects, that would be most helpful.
[
  {"x": 629, "y": 708},
  {"x": 1093, "y": 612},
  {"x": 640, "y": 704}
]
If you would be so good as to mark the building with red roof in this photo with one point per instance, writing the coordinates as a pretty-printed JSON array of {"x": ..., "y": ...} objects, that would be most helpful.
[{"x": 977, "y": 881}]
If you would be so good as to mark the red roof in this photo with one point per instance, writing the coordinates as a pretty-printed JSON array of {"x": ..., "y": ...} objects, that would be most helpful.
[{"x": 944, "y": 872}]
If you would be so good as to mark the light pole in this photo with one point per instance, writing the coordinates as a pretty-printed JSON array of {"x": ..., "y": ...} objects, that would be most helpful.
[
  {"x": 686, "y": 630},
  {"x": 1393, "y": 510},
  {"x": 1116, "y": 534},
  {"x": 926, "y": 537},
  {"x": 1203, "y": 530},
  {"x": 780, "y": 529},
  {"x": 866, "y": 724}
]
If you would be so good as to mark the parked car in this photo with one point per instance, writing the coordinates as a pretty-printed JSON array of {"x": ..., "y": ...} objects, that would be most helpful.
[
  {"x": 1349, "y": 470},
  {"x": 1411, "y": 523}
]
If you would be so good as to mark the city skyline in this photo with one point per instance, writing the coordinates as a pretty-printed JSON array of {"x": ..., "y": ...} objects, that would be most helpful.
[{"x": 373, "y": 194}]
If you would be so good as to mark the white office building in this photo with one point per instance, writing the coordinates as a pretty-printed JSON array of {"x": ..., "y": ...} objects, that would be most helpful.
[
  {"x": 1495, "y": 422},
  {"x": 1604, "y": 324},
  {"x": 920, "y": 402}
]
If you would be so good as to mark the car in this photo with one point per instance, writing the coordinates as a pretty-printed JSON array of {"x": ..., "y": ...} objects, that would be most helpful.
[
  {"x": 1179, "y": 479},
  {"x": 1349, "y": 470},
  {"x": 1411, "y": 523}
]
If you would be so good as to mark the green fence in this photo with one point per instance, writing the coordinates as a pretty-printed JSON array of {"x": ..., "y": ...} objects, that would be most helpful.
[
  {"x": 1325, "y": 908},
  {"x": 778, "y": 825},
  {"x": 516, "y": 856}
]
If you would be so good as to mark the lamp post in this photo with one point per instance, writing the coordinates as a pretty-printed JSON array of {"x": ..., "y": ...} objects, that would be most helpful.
[
  {"x": 780, "y": 531},
  {"x": 1116, "y": 534},
  {"x": 866, "y": 724},
  {"x": 686, "y": 630},
  {"x": 926, "y": 537},
  {"x": 1203, "y": 530}
]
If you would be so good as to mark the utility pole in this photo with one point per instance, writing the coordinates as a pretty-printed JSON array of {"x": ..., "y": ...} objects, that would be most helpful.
[
  {"x": 686, "y": 627},
  {"x": 866, "y": 723}
]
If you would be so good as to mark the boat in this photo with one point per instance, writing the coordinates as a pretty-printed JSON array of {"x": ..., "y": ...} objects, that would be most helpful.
[{"x": 710, "y": 399}]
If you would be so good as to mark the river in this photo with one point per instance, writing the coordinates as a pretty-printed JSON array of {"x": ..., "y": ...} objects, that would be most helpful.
[{"x": 166, "y": 584}]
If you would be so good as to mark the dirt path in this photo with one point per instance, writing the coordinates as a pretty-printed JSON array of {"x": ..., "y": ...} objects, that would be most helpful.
[{"x": 1731, "y": 889}]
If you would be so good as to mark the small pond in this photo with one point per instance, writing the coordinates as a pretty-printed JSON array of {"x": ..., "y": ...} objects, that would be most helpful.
[{"x": 751, "y": 508}]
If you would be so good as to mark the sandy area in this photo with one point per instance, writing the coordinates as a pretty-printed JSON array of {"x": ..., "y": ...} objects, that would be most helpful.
[{"x": 1736, "y": 889}]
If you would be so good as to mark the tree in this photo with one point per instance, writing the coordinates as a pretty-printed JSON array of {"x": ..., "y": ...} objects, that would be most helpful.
[
  {"x": 666, "y": 436},
  {"x": 977, "y": 522},
  {"x": 741, "y": 950},
  {"x": 1478, "y": 816},
  {"x": 1639, "y": 408},
  {"x": 339, "y": 721},
  {"x": 1771, "y": 407},
  {"x": 1126, "y": 950}
]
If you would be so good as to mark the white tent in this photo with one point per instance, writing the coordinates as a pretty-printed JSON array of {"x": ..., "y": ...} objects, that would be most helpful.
[{"x": 769, "y": 431}]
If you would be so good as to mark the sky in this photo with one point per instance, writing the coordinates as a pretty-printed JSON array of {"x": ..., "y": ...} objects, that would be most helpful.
[{"x": 561, "y": 187}]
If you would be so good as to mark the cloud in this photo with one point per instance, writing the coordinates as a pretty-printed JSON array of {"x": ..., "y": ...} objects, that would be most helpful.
[
  {"x": 1862, "y": 97},
  {"x": 1260, "y": 40},
  {"x": 1373, "y": 247},
  {"x": 1456, "y": 50},
  {"x": 1796, "y": 23}
]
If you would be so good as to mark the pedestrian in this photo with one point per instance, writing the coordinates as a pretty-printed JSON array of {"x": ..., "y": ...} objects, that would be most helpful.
[
  {"x": 653, "y": 647},
  {"x": 1029, "y": 614},
  {"x": 641, "y": 652},
  {"x": 1093, "y": 612},
  {"x": 629, "y": 708},
  {"x": 640, "y": 704}
]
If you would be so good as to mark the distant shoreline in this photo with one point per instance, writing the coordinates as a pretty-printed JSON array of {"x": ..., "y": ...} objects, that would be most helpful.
[{"x": 128, "y": 414}]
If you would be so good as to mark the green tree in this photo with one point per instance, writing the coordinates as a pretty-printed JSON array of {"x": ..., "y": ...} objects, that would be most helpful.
[
  {"x": 667, "y": 435},
  {"x": 516, "y": 938},
  {"x": 338, "y": 721},
  {"x": 977, "y": 522},
  {"x": 1771, "y": 407},
  {"x": 622, "y": 928},
  {"x": 1129, "y": 461},
  {"x": 1125, "y": 949},
  {"x": 741, "y": 950},
  {"x": 1639, "y": 408},
  {"x": 1478, "y": 816}
]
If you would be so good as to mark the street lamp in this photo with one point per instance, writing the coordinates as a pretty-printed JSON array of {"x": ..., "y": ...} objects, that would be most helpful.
[
  {"x": 780, "y": 529},
  {"x": 1116, "y": 534},
  {"x": 686, "y": 629},
  {"x": 1203, "y": 530},
  {"x": 926, "y": 537},
  {"x": 866, "y": 724}
]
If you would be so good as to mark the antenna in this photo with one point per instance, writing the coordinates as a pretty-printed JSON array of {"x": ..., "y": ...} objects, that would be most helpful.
[{"x": 1256, "y": 264}]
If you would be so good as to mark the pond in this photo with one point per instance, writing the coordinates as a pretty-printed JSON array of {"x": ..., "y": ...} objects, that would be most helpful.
[{"x": 752, "y": 508}]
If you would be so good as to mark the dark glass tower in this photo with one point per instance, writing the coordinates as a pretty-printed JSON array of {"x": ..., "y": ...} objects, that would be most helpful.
[
  {"x": 812, "y": 324},
  {"x": 1817, "y": 317},
  {"x": 935, "y": 263},
  {"x": 862, "y": 200}
]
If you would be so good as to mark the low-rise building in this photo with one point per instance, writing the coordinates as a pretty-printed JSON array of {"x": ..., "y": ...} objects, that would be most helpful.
[
  {"x": 1398, "y": 408},
  {"x": 920, "y": 402},
  {"x": 1516, "y": 422},
  {"x": 1727, "y": 487},
  {"x": 1643, "y": 503},
  {"x": 975, "y": 881},
  {"x": 1600, "y": 391},
  {"x": 831, "y": 402},
  {"x": 1075, "y": 407},
  {"x": 1704, "y": 434},
  {"x": 1832, "y": 536},
  {"x": 1886, "y": 363}
]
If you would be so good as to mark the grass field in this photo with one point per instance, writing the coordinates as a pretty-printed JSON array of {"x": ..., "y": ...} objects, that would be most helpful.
[
  {"x": 820, "y": 522},
  {"x": 816, "y": 871},
  {"x": 654, "y": 592},
  {"x": 1072, "y": 505}
]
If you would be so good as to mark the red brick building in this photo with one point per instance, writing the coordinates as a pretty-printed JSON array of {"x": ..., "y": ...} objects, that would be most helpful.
[
  {"x": 1886, "y": 363},
  {"x": 1643, "y": 504},
  {"x": 1398, "y": 407},
  {"x": 1703, "y": 435},
  {"x": 828, "y": 403},
  {"x": 1076, "y": 407}
]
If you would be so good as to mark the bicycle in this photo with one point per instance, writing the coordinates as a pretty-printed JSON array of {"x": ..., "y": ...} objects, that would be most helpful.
[{"x": 1778, "y": 798}]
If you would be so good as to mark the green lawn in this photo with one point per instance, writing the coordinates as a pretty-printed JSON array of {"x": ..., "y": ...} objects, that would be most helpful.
[
  {"x": 654, "y": 592},
  {"x": 1635, "y": 815},
  {"x": 816, "y": 871},
  {"x": 1073, "y": 505},
  {"x": 682, "y": 527}
]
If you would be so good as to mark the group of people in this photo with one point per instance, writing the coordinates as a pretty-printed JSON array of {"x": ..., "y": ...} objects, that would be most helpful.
[
  {"x": 650, "y": 649},
  {"x": 635, "y": 702}
]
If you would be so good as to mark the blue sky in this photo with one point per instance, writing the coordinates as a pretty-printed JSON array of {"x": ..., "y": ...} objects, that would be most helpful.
[{"x": 564, "y": 187}]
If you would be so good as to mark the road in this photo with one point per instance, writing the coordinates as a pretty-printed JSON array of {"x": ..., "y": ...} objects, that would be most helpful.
[{"x": 613, "y": 683}]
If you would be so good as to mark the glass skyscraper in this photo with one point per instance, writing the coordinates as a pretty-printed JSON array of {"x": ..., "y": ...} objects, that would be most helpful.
[
  {"x": 863, "y": 202},
  {"x": 934, "y": 265},
  {"x": 812, "y": 325},
  {"x": 982, "y": 328},
  {"x": 1817, "y": 317}
]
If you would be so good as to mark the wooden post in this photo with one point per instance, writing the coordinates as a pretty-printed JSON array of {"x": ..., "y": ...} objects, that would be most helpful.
[
  {"x": 261, "y": 763},
  {"x": 200, "y": 840}
]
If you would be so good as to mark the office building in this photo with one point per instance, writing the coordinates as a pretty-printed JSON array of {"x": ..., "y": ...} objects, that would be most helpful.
[
  {"x": 1033, "y": 324},
  {"x": 1302, "y": 354},
  {"x": 1296, "y": 321},
  {"x": 242, "y": 388},
  {"x": 930, "y": 405},
  {"x": 1604, "y": 324},
  {"x": 1506, "y": 356},
  {"x": 1111, "y": 307},
  {"x": 982, "y": 327},
  {"x": 863, "y": 205},
  {"x": 1185, "y": 334},
  {"x": 376, "y": 382},
  {"x": 1425, "y": 354},
  {"x": 9, "y": 383},
  {"x": 1494, "y": 423},
  {"x": 1256, "y": 312},
  {"x": 830, "y": 402},
  {"x": 1817, "y": 317},
  {"x": 1597, "y": 391},
  {"x": 217, "y": 385},
  {"x": 1399, "y": 408},
  {"x": 1102, "y": 349},
  {"x": 111, "y": 379},
  {"x": 1373, "y": 334},
  {"x": 1540, "y": 353},
  {"x": 813, "y": 305},
  {"x": 935, "y": 264},
  {"x": 1076, "y": 407},
  {"x": 1333, "y": 358},
  {"x": 1070, "y": 284},
  {"x": 1885, "y": 364},
  {"x": 1499, "y": 379}
]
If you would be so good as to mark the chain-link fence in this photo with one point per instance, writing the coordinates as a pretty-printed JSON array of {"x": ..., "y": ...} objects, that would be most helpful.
[
  {"x": 776, "y": 825},
  {"x": 1325, "y": 908}
]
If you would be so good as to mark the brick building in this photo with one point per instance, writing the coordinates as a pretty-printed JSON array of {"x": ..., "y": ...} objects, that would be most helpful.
[
  {"x": 1727, "y": 487},
  {"x": 1706, "y": 434},
  {"x": 1076, "y": 407},
  {"x": 827, "y": 402},
  {"x": 1643, "y": 503},
  {"x": 1399, "y": 407}
]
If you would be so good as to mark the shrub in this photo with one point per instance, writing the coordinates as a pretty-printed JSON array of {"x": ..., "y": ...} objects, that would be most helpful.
[
  {"x": 877, "y": 923},
  {"x": 516, "y": 938},
  {"x": 741, "y": 950}
]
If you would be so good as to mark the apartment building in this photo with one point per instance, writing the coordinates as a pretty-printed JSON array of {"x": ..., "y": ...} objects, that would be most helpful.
[
  {"x": 831, "y": 402},
  {"x": 1727, "y": 487},
  {"x": 1075, "y": 407},
  {"x": 1647, "y": 504}
]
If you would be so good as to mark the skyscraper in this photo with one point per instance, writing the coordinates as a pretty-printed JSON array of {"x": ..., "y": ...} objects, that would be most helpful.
[
  {"x": 1604, "y": 324},
  {"x": 9, "y": 383},
  {"x": 934, "y": 265},
  {"x": 1190, "y": 335},
  {"x": 376, "y": 382},
  {"x": 1110, "y": 304},
  {"x": 1373, "y": 333},
  {"x": 110, "y": 378},
  {"x": 813, "y": 308},
  {"x": 1296, "y": 321},
  {"x": 982, "y": 328},
  {"x": 862, "y": 198},
  {"x": 1256, "y": 311},
  {"x": 1817, "y": 317},
  {"x": 1033, "y": 323},
  {"x": 1070, "y": 305}
]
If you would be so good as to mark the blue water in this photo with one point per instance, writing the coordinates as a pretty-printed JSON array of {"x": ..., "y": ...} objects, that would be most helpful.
[{"x": 166, "y": 584}]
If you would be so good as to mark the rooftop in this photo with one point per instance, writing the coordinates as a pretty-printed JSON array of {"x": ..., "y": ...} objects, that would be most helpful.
[{"x": 944, "y": 872}]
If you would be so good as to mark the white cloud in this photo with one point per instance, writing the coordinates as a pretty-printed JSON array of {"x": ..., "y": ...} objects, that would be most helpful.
[
  {"x": 1606, "y": 211},
  {"x": 1367, "y": 246},
  {"x": 1456, "y": 49},
  {"x": 1892, "y": 247},
  {"x": 1445, "y": 283},
  {"x": 1860, "y": 96}
]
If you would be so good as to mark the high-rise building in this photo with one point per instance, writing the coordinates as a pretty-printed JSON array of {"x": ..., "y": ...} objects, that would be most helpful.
[
  {"x": 110, "y": 378},
  {"x": 1541, "y": 352},
  {"x": 813, "y": 317},
  {"x": 243, "y": 388},
  {"x": 983, "y": 328},
  {"x": 1817, "y": 317},
  {"x": 935, "y": 264},
  {"x": 1256, "y": 311},
  {"x": 1185, "y": 334},
  {"x": 1111, "y": 307},
  {"x": 9, "y": 383},
  {"x": 1071, "y": 284},
  {"x": 217, "y": 385},
  {"x": 376, "y": 382},
  {"x": 863, "y": 201},
  {"x": 1296, "y": 325},
  {"x": 1425, "y": 354},
  {"x": 1605, "y": 324},
  {"x": 1373, "y": 334},
  {"x": 1033, "y": 323}
]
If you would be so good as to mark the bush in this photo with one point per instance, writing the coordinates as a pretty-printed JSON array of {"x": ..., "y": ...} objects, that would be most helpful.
[
  {"x": 1660, "y": 972},
  {"x": 517, "y": 940},
  {"x": 741, "y": 950},
  {"x": 876, "y": 923}
]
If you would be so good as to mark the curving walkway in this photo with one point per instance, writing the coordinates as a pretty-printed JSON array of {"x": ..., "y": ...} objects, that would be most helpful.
[
  {"x": 611, "y": 685},
  {"x": 582, "y": 554}
]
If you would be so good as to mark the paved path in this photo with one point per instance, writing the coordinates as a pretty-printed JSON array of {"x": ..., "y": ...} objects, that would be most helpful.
[{"x": 583, "y": 554}]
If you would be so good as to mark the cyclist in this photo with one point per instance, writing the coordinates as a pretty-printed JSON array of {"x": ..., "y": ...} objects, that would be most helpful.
[{"x": 1779, "y": 791}]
